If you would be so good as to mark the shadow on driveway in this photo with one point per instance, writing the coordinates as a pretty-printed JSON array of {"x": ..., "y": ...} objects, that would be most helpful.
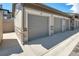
[
  {"x": 49, "y": 42},
  {"x": 10, "y": 46}
]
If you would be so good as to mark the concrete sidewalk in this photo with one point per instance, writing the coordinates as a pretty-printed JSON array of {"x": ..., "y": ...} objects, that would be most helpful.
[
  {"x": 75, "y": 51},
  {"x": 64, "y": 48},
  {"x": 46, "y": 46}
]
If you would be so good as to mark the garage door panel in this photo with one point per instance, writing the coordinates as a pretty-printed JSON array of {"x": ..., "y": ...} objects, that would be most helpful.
[
  {"x": 67, "y": 24},
  {"x": 38, "y": 26},
  {"x": 57, "y": 25}
]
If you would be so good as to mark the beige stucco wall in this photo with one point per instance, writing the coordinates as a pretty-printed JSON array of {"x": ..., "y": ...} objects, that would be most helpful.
[
  {"x": 1, "y": 23},
  {"x": 18, "y": 24},
  {"x": 8, "y": 25}
]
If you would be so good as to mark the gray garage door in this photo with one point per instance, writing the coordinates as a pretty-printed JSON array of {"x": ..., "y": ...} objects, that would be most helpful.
[
  {"x": 63, "y": 25},
  {"x": 67, "y": 24},
  {"x": 57, "y": 25},
  {"x": 38, "y": 26}
]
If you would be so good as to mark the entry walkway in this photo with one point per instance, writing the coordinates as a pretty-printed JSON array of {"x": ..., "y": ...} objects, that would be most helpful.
[{"x": 58, "y": 44}]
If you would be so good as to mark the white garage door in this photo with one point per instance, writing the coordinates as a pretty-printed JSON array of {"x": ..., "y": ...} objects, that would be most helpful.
[
  {"x": 38, "y": 26},
  {"x": 57, "y": 25}
]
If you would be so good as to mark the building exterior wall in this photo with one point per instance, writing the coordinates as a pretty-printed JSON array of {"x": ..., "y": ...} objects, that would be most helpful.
[
  {"x": 8, "y": 25},
  {"x": 22, "y": 24},
  {"x": 41, "y": 13},
  {"x": 35, "y": 12},
  {"x": 1, "y": 27},
  {"x": 18, "y": 20}
]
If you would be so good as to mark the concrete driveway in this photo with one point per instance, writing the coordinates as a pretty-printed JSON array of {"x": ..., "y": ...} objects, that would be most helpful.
[
  {"x": 10, "y": 45},
  {"x": 42, "y": 46}
]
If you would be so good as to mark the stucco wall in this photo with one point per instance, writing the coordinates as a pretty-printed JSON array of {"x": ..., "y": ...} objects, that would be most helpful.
[
  {"x": 18, "y": 23},
  {"x": 8, "y": 25}
]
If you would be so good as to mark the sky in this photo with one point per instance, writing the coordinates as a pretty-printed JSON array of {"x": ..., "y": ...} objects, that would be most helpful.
[
  {"x": 7, "y": 6},
  {"x": 60, "y": 6},
  {"x": 75, "y": 7}
]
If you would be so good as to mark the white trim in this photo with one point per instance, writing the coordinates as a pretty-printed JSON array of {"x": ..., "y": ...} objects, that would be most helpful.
[
  {"x": 61, "y": 17},
  {"x": 49, "y": 26},
  {"x": 52, "y": 24},
  {"x": 26, "y": 25}
]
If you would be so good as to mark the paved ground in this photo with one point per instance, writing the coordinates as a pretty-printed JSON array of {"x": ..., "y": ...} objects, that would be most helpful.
[
  {"x": 10, "y": 45},
  {"x": 42, "y": 46},
  {"x": 75, "y": 51}
]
